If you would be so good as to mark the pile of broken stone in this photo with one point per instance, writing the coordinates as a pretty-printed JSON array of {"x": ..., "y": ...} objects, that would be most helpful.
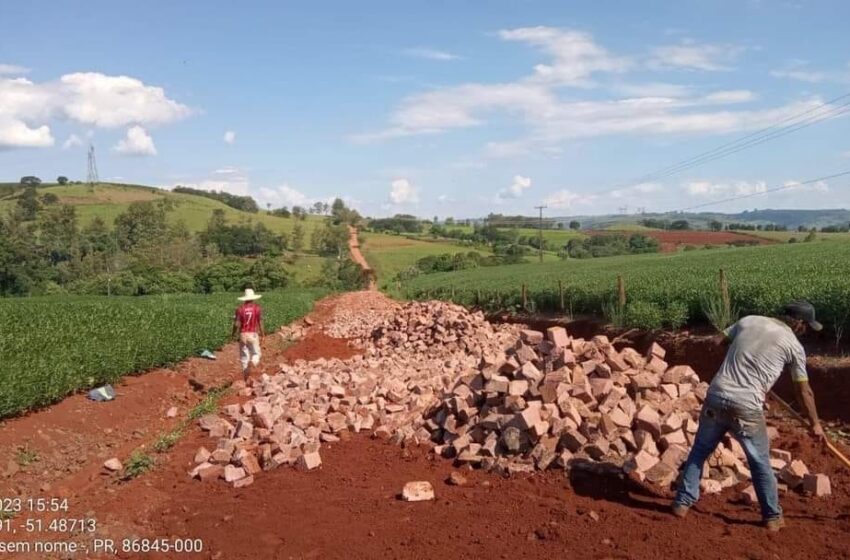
[{"x": 491, "y": 396}]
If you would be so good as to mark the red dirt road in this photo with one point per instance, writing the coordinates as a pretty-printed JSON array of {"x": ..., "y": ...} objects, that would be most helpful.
[
  {"x": 348, "y": 508},
  {"x": 357, "y": 257}
]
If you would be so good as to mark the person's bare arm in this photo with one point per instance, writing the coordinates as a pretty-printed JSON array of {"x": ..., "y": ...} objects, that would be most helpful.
[{"x": 806, "y": 398}]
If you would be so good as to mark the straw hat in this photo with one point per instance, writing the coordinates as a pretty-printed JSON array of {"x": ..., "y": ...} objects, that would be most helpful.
[{"x": 249, "y": 295}]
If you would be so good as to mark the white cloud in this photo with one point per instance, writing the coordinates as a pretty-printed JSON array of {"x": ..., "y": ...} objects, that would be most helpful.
[
  {"x": 112, "y": 101},
  {"x": 228, "y": 179},
  {"x": 728, "y": 97},
  {"x": 230, "y": 137},
  {"x": 566, "y": 199},
  {"x": 72, "y": 142},
  {"x": 13, "y": 70},
  {"x": 576, "y": 56},
  {"x": 639, "y": 190},
  {"x": 519, "y": 185},
  {"x": 800, "y": 71},
  {"x": 403, "y": 192},
  {"x": 690, "y": 55},
  {"x": 90, "y": 98},
  {"x": 431, "y": 54},
  {"x": 16, "y": 134},
  {"x": 654, "y": 89},
  {"x": 289, "y": 196},
  {"x": 137, "y": 142},
  {"x": 444, "y": 199},
  {"x": 730, "y": 188},
  {"x": 817, "y": 186},
  {"x": 551, "y": 117}
]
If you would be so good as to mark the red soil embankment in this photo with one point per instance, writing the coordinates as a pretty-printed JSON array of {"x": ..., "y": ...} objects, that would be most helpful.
[{"x": 671, "y": 240}]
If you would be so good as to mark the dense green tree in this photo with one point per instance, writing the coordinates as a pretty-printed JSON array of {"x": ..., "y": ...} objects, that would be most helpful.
[
  {"x": 28, "y": 204},
  {"x": 142, "y": 223},
  {"x": 297, "y": 237}
]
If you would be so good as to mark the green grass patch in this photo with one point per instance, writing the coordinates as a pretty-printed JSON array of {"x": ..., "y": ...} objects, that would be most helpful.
[
  {"x": 26, "y": 456},
  {"x": 138, "y": 464},
  {"x": 391, "y": 254},
  {"x": 53, "y": 346}
]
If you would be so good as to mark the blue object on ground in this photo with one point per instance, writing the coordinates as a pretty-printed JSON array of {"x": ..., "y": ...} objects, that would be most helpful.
[{"x": 207, "y": 354}]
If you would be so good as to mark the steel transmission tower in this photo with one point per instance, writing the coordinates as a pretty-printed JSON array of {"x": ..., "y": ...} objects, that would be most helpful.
[{"x": 91, "y": 177}]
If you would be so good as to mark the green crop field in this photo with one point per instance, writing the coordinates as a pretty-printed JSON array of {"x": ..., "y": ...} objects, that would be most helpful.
[
  {"x": 784, "y": 236},
  {"x": 53, "y": 346},
  {"x": 107, "y": 201},
  {"x": 390, "y": 254},
  {"x": 760, "y": 280}
]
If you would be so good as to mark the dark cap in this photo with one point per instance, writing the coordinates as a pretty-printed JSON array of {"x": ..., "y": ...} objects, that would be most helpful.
[{"x": 804, "y": 311}]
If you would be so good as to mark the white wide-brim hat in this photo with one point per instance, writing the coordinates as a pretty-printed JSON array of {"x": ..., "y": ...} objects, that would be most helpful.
[{"x": 249, "y": 295}]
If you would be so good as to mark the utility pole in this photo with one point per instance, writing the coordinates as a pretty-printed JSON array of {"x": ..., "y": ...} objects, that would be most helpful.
[{"x": 540, "y": 233}]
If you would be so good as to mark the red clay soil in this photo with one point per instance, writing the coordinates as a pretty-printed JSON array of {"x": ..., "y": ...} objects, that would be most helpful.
[
  {"x": 349, "y": 507},
  {"x": 671, "y": 240}
]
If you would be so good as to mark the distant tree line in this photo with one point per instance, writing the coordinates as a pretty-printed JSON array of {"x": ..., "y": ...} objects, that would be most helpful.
[
  {"x": 610, "y": 245},
  {"x": 244, "y": 203}
]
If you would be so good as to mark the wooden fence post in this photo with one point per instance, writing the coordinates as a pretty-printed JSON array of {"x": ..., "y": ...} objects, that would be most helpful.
[{"x": 524, "y": 297}]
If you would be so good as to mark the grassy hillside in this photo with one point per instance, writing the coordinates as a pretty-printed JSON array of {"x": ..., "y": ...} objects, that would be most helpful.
[
  {"x": 760, "y": 280},
  {"x": 390, "y": 254},
  {"x": 109, "y": 200}
]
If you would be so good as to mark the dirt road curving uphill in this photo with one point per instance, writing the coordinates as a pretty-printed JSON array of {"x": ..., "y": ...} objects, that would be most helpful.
[{"x": 357, "y": 256}]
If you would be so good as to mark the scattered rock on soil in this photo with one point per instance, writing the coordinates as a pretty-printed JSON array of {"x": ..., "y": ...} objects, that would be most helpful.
[{"x": 420, "y": 491}]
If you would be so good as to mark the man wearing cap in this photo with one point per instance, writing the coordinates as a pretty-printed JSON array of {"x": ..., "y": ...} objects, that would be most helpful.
[
  {"x": 248, "y": 329},
  {"x": 761, "y": 348}
]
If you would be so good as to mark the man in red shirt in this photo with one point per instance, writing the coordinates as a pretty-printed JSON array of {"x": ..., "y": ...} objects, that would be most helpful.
[{"x": 248, "y": 329}]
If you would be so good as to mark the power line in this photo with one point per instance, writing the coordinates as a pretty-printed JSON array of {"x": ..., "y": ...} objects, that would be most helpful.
[
  {"x": 803, "y": 119},
  {"x": 832, "y": 113},
  {"x": 766, "y": 191},
  {"x": 746, "y": 139}
]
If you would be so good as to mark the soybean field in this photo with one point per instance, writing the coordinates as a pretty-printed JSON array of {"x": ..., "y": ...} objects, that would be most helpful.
[
  {"x": 53, "y": 346},
  {"x": 760, "y": 280}
]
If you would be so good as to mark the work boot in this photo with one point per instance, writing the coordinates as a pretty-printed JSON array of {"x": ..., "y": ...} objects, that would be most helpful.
[
  {"x": 680, "y": 510},
  {"x": 775, "y": 524}
]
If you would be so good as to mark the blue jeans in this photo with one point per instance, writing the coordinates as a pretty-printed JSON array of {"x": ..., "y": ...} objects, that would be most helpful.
[{"x": 720, "y": 415}]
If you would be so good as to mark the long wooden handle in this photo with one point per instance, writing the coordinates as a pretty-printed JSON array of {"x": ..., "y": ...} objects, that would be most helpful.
[{"x": 799, "y": 416}]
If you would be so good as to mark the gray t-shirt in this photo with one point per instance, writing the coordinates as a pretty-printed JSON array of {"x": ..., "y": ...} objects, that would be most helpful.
[{"x": 761, "y": 349}]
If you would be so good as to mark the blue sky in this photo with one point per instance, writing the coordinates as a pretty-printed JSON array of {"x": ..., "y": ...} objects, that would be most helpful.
[{"x": 443, "y": 108}]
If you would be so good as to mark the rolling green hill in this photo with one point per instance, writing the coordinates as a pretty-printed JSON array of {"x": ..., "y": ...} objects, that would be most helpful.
[{"x": 108, "y": 200}]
